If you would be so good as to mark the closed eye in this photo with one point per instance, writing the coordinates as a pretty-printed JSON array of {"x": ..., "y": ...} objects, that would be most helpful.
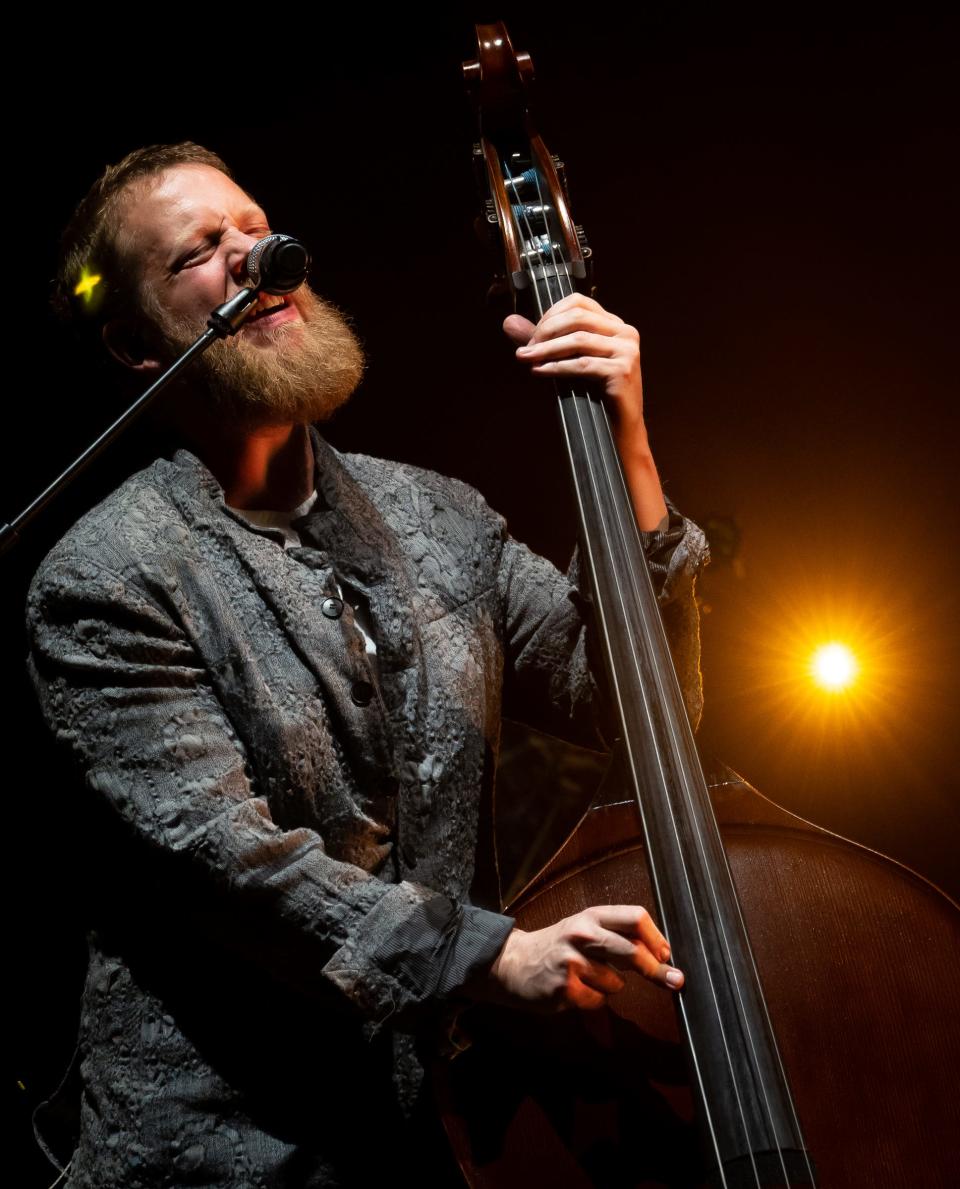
[
  {"x": 200, "y": 252},
  {"x": 194, "y": 256}
]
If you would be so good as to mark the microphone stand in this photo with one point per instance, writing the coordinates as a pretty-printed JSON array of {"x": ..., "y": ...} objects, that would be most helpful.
[{"x": 224, "y": 321}]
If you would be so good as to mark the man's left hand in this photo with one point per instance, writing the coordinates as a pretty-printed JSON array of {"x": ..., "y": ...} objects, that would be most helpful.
[{"x": 577, "y": 337}]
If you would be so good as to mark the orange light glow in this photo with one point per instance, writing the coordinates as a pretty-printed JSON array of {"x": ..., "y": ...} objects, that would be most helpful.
[{"x": 834, "y": 667}]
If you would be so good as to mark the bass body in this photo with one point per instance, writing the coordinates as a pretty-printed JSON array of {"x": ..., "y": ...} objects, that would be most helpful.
[{"x": 859, "y": 959}]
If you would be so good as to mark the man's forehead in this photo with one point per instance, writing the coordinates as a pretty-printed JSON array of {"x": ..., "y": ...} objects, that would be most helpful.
[
  {"x": 193, "y": 182},
  {"x": 174, "y": 202}
]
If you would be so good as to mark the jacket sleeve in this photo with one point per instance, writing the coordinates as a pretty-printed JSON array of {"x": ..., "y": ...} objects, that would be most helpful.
[
  {"x": 553, "y": 670},
  {"x": 120, "y": 685}
]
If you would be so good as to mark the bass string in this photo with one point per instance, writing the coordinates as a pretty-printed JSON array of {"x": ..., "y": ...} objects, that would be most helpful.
[
  {"x": 711, "y": 984},
  {"x": 628, "y": 528},
  {"x": 653, "y": 866},
  {"x": 627, "y": 524},
  {"x": 601, "y": 610},
  {"x": 597, "y": 410}
]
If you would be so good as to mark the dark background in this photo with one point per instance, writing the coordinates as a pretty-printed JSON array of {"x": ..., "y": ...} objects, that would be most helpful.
[{"x": 772, "y": 202}]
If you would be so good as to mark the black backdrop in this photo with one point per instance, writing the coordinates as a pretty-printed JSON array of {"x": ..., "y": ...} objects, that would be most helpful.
[{"x": 772, "y": 203}]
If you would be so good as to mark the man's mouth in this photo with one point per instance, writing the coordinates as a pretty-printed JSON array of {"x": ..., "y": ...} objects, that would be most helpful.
[{"x": 267, "y": 308}]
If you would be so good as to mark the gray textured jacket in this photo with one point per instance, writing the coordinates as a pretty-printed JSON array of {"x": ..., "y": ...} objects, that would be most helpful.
[{"x": 283, "y": 838}]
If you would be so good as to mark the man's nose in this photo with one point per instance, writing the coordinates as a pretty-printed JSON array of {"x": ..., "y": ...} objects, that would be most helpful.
[{"x": 237, "y": 254}]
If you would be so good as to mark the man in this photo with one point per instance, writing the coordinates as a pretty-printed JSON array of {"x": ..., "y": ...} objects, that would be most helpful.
[{"x": 281, "y": 671}]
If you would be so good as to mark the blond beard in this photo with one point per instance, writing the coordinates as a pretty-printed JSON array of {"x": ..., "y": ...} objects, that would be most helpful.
[{"x": 296, "y": 372}]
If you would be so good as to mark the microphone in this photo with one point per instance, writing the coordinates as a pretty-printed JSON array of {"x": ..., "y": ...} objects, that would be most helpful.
[{"x": 277, "y": 264}]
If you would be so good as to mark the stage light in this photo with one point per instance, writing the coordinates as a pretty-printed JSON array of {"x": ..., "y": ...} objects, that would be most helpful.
[{"x": 834, "y": 667}]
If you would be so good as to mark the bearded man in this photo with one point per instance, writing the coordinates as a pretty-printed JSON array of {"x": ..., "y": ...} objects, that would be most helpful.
[{"x": 281, "y": 672}]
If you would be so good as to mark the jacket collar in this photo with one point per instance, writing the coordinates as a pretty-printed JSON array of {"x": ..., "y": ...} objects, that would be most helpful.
[
  {"x": 345, "y": 522},
  {"x": 196, "y": 478}
]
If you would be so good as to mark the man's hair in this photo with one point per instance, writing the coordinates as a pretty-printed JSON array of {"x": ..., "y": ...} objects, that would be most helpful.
[{"x": 95, "y": 280}]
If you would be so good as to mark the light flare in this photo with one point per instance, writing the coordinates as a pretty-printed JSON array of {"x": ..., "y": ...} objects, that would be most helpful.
[
  {"x": 834, "y": 667},
  {"x": 813, "y": 734},
  {"x": 87, "y": 285}
]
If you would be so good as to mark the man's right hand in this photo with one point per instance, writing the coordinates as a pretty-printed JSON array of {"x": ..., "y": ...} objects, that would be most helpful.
[{"x": 576, "y": 962}]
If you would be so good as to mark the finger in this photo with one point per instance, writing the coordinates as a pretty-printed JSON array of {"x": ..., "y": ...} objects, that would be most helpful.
[
  {"x": 658, "y": 972},
  {"x": 599, "y": 976},
  {"x": 612, "y": 948},
  {"x": 624, "y": 935},
  {"x": 632, "y": 921},
  {"x": 551, "y": 325},
  {"x": 578, "y": 342},
  {"x": 580, "y": 995},
  {"x": 575, "y": 301},
  {"x": 518, "y": 328},
  {"x": 617, "y": 950},
  {"x": 582, "y": 365}
]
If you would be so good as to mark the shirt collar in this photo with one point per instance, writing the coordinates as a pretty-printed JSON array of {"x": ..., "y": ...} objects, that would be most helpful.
[{"x": 197, "y": 477}]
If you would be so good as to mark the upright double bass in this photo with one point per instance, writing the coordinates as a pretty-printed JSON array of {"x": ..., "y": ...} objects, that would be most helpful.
[{"x": 816, "y": 1040}]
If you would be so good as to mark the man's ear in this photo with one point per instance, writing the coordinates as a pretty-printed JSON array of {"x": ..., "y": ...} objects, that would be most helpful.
[{"x": 128, "y": 345}]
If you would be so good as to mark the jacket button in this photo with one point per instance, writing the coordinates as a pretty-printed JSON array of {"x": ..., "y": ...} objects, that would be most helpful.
[
  {"x": 332, "y": 608},
  {"x": 362, "y": 693}
]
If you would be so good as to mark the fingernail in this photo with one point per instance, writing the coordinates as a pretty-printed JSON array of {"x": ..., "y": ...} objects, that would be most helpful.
[
  {"x": 674, "y": 978},
  {"x": 524, "y": 350},
  {"x": 665, "y": 954}
]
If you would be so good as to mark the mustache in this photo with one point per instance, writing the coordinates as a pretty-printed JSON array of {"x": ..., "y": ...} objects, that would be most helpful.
[{"x": 177, "y": 331}]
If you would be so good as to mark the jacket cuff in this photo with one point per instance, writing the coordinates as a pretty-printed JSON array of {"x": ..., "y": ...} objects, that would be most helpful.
[
  {"x": 477, "y": 942},
  {"x": 674, "y": 554},
  {"x": 414, "y": 946}
]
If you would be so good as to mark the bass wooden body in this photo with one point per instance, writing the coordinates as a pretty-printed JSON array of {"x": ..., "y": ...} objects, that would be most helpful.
[{"x": 859, "y": 959}]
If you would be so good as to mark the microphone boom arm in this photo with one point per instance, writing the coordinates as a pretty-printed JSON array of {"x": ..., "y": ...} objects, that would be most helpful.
[{"x": 224, "y": 321}]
